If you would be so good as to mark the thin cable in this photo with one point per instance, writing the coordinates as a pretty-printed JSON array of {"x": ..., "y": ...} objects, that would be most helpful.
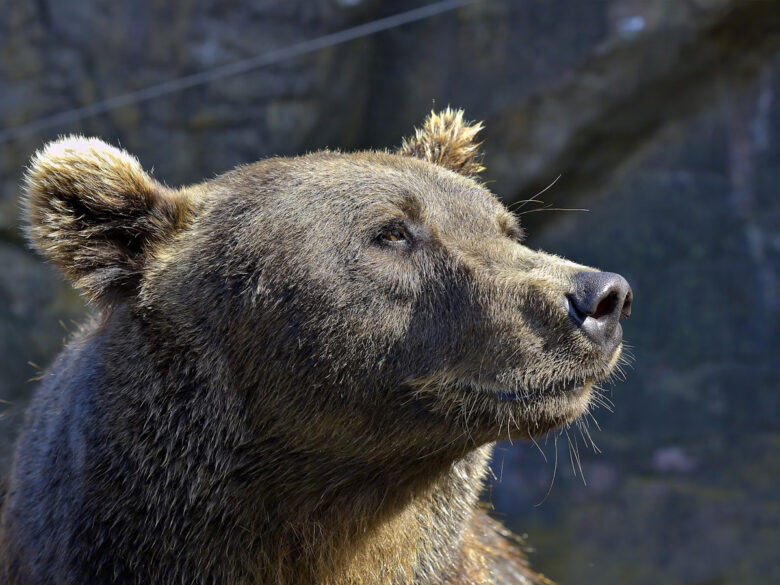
[{"x": 231, "y": 69}]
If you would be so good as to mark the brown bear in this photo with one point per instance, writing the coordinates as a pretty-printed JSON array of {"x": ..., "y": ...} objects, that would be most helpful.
[{"x": 297, "y": 371}]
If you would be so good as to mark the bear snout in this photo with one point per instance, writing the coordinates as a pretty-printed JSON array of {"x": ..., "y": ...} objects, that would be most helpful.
[{"x": 599, "y": 301}]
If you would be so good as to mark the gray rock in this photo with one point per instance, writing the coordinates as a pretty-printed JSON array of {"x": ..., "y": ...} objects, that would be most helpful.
[{"x": 661, "y": 117}]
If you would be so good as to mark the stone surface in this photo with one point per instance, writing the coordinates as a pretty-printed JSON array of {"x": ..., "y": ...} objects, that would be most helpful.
[{"x": 662, "y": 118}]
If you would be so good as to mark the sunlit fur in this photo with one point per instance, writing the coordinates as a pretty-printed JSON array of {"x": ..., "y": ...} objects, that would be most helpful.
[
  {"x": 276, "y": 393},
  {"x": 93, "y": 211},
  {"x": 447, "y": 140}
]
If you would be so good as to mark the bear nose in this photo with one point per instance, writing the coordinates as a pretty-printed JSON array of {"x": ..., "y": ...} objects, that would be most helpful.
[{"x": 599, "y": 301}]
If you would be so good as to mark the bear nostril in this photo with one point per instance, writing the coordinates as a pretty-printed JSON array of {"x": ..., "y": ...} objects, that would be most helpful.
[
  {"x": 599, "y": 301},
  {"x": 606, "y": 306},
  {"x": 626, "y": 311}
]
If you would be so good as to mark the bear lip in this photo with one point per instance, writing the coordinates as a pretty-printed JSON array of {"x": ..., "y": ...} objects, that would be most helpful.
[
  {"x": 507, "y": 394},
  {"x": 573, "y": 388}
]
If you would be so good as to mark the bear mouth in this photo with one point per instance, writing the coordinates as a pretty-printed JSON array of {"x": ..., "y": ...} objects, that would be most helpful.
[
  {"x": 569, "y": 393},
  {"x": 502, "y": 393},
  {"x": 512, "y": 391}
]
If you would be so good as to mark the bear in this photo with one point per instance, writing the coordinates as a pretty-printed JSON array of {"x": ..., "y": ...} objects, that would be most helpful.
[{"x": 296, "y": 371}]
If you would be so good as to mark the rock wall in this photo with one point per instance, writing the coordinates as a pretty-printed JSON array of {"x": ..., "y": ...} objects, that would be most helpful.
[{"x": 661, "y": 118}]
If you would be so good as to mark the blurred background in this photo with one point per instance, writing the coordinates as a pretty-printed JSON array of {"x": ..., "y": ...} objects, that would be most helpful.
[{"x": 660, "y": 117}]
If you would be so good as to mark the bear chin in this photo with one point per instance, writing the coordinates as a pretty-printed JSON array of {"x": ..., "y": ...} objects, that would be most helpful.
[{"x": 492, "y": 411}]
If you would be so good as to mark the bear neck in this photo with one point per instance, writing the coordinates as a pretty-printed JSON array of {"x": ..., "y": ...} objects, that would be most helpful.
[
  {"x": 371, "y": 525},
  {"x": 274, "y": 510}
]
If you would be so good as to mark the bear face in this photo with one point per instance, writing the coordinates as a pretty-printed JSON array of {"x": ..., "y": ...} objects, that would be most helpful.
[{"x": 386, "y": 295}]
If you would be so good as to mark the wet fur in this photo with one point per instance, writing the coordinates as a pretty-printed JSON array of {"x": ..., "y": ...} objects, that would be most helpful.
[{"x": 276, "y": 394}]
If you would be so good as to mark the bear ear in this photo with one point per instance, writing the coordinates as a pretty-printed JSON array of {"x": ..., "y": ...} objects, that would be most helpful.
[
  {"x": 446, "y": 140},
  {"x": 97, "y": 215}
]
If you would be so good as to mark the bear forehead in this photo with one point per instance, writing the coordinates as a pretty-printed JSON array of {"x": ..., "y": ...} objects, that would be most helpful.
[{"x": 365, "y": 186}]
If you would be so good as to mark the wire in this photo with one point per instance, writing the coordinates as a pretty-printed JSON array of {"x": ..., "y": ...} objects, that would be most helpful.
[{"x": 231, "y": 69}]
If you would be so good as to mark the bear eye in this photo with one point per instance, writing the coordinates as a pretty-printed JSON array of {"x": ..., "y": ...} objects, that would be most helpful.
[{"x": 393, "y": 235}]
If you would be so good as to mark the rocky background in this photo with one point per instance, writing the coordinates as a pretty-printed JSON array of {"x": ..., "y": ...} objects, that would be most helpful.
[{"x": 660, "y": 117}]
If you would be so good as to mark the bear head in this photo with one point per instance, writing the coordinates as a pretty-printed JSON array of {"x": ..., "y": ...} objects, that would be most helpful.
[{"x": 368, "y": 300}]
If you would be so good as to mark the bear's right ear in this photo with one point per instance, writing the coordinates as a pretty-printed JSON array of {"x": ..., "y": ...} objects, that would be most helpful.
[
  {"x": 97, "y": 215},
  {"x": 447, "y": 140}
]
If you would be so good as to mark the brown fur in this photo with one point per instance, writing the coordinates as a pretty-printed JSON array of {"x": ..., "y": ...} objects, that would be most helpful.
[
  {"x": 446, "y": 140},
  {"x": 94, "y": 212},
  {"x": 301, "y": 376}
]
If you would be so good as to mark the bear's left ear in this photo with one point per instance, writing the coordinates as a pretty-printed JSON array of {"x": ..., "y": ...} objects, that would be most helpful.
[
  {"x": 446, "y": 140},
  {"x": 98, "y": 216}
]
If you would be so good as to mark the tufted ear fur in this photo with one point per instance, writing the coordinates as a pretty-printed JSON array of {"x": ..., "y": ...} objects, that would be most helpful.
[
  {"x": 97, "y": 215},
  {"x": 446, "y": 140}
]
